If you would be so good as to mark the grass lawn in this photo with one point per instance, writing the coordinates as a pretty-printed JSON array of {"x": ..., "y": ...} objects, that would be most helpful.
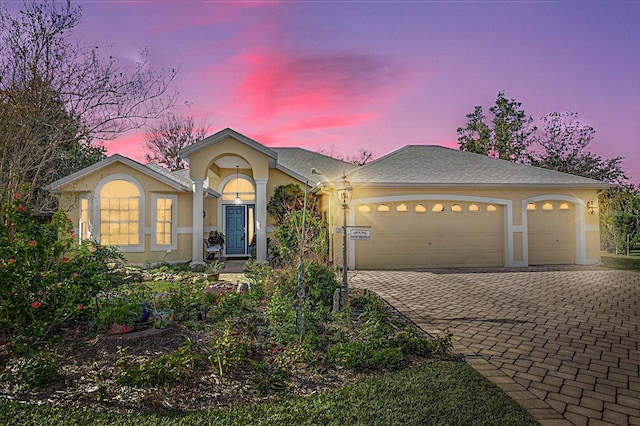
[
  {"x": 434, "y": 393},
  {"x": 619, "y": 261}
]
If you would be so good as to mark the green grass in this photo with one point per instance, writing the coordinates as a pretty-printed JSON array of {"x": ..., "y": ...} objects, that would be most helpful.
[
  {"x": 441, "y": 393},
  {"x": 619, "y": 261}
]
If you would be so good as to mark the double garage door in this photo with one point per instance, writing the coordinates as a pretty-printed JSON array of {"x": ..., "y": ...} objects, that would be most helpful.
[{"x": 430, "y": 234}]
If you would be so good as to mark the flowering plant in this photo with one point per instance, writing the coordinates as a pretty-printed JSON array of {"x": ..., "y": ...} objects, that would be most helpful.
[{"x": 44, "y": 276}]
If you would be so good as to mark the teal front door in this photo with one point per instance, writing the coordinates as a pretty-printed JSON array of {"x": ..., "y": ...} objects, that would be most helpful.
[{"x": 236, "y": 242}]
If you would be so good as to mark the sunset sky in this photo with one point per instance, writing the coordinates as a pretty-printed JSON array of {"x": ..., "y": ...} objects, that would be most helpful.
[{"x": 344, "y": 75}]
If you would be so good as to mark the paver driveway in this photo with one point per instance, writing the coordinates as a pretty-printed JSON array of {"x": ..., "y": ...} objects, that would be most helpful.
[{"x": 563, "y": 341}]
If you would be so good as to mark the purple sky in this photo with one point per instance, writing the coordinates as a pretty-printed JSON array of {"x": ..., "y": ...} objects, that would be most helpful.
[{"x": 344, "y": 75}]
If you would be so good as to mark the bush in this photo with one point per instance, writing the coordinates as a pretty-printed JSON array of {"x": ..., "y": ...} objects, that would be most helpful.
[
  {"x": 38, "y": 369},
  {"x": 168, "y": 368},
  {"x": 45, "y": 283}
]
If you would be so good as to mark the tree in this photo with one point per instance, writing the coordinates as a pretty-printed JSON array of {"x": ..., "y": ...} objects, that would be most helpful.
[
  {"x": 171, "y": 134},
  {"x": 506, "y": 137},
  {"x": 362, "y": 157},
  {"x": 620, "y": 218},
  {"x": 561, "y": 145},
  {"x": 289, "y": 198},
  {"x": 57, "y": 97}
]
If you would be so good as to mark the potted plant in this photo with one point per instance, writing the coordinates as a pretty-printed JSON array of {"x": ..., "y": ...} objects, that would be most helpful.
[
  {"x": 118, "y": 316},
  {"x": 214, "y": 268}
]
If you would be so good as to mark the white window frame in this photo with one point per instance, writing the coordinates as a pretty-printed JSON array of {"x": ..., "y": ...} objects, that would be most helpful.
[
  {"x": 154, "y": 222},
  {"x": 132, "y": 248},
  {"x": 81, "y": 236}
]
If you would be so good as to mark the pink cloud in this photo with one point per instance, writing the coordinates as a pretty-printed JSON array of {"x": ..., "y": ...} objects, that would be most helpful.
[{"x": 279, "y": 83}]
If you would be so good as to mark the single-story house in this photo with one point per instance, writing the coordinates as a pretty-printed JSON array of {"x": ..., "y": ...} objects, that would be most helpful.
[{"x": 424, "y": 206}]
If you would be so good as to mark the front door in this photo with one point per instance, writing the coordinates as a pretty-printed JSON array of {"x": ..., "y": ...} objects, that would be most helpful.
[{"x": 236, "y": 241}]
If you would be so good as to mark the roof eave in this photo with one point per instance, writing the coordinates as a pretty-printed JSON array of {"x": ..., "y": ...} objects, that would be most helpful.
[{"x": 55, "y": 186}]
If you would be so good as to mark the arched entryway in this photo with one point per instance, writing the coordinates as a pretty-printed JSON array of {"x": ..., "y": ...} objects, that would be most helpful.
[{"x": 238, "y": 196}]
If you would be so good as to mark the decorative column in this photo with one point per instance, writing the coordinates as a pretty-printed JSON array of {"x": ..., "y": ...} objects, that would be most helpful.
[
  {"x": 261, "y": 219},
  {"x": 197, "y": 260}
]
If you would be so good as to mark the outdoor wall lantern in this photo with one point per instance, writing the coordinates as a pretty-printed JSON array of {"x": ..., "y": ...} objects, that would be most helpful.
[{"x": 591, "y": 207}]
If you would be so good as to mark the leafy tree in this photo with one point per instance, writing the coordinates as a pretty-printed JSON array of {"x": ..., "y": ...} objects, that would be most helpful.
[
  {"x": 171, "y": 134},
  {"x": 506, "y": 137},
  {"x": 620, "y": 218},
  {"x": 57, "y": 97},
  {"x": 288, "y": 198},
  {"x": 561, "y": 145}
]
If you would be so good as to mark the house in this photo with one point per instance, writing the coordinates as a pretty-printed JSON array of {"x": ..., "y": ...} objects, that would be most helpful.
[{"x": 424, "y": 206}]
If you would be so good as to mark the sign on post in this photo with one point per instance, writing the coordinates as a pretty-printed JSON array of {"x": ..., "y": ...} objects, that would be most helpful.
[{"x": 359, "y": 234}]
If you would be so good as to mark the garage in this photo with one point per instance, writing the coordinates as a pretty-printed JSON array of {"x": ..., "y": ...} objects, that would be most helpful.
[
  {"x": 551, "y": 233},
  {"x": 430, "y": 234}
]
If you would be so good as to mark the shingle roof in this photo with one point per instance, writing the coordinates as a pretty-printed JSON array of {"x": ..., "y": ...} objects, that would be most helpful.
[
  {"x": 179, "y": 176},
  {"x": 298, "y": 162},
  {"x": 429, "y": 165}
]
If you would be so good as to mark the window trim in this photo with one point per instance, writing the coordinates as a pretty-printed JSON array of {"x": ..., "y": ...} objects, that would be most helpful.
[
  {"x": 174, "y": 222},
  {"x": 134, "y": 248}
]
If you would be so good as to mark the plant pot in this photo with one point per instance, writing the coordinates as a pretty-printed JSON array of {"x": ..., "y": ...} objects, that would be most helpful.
[
  {"x": 214, "y": 277},
  {"x": 163, "y": 318},
  {"x": 120, "y": 328}
]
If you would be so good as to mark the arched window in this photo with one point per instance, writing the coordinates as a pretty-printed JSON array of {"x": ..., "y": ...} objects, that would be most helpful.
[
  {"x": 474, "y": 208},
  {"x": 456, "y": 208},
  {"x": 402, "y": 208},
  {"x": 364, "y": 208},
  {"x": 120, "y": 217},
  {"x": 437, "y": 208},
  {"x": 240, "y": 187},
  {"x": 420, "y": 208},
  {"x": 383, "y": 208}
]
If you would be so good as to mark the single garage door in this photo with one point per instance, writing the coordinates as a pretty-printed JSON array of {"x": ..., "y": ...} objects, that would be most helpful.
[
  {"x": 552, "y": 233},
  {"x": 430, "y": 234}
]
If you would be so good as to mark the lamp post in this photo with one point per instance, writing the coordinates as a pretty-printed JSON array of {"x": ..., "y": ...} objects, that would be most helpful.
[{"x": 344, "y": 196}]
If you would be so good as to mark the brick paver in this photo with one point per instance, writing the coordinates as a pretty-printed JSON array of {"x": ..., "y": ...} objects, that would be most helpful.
[{"x": 562, "y": 341}]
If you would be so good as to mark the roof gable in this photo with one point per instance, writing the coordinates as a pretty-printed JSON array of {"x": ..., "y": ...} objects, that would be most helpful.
[
  {"x": 224, "y": 134},
  {"x": 152, "y": 171}
]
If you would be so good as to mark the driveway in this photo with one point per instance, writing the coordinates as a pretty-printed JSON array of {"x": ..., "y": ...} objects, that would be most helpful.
[{"x": 562, "y": 341}]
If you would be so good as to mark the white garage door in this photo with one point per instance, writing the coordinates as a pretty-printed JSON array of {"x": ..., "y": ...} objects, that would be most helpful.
[
  {"x": 552, "y": 233},
  {"x": 430, "y": 234}
]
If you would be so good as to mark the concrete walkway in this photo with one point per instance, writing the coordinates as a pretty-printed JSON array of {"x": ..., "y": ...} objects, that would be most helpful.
[{"x": 562, "y": 341}]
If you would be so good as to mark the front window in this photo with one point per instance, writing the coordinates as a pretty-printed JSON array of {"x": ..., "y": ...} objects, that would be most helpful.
[
  {"x": 119, "y": 214},
  {"x": 164, "y": 212}
]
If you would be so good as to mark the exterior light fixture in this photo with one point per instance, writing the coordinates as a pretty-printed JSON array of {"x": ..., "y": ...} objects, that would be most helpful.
[
  {"x": 237, "y": 201},
  {"x": 591, "y": 207},
  {"x": 344, "y": 196}
]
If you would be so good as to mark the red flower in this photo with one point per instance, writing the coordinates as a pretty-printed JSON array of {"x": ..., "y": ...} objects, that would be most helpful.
[
  {"x": 64, "y": 260},
  {"x": 80, "y": 306},
  {"x": 11, "y": 261},
  {"x": 36, "y": 304},
  {"x": 22, "y": 208},
  {"x": 32, "y": 243},
  {"x": 17, "y": 196}
]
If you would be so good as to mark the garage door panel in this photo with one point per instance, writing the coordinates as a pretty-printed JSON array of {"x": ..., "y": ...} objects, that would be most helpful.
[
  {"x": 413, "y": 239},
  {"x": 551, "y": 233}
]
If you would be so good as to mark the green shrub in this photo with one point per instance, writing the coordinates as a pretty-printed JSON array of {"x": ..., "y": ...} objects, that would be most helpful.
[
  {"x": 46, "y": 282},
  {"x": 172, "y": 367},
  {"x": 351, "y": 355},
  {"x": 228, "y": 348},
  {"x": 38, "y": 369},
  {"x": 321, "y": 284}
]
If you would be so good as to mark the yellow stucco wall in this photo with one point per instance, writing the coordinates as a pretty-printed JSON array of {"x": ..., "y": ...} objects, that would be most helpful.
[{"x": 513, "y": 235}]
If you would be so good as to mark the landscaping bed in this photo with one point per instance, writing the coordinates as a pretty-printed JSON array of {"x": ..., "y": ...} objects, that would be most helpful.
[{"x": 224, "y": 349}]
